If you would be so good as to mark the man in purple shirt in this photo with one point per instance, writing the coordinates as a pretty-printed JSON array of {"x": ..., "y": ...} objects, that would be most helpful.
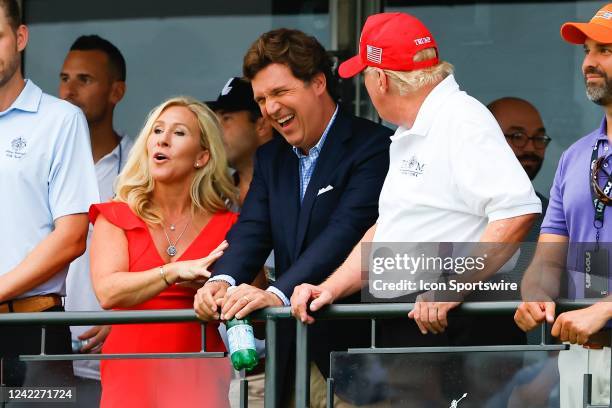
[{"x": 577, "y": 224}]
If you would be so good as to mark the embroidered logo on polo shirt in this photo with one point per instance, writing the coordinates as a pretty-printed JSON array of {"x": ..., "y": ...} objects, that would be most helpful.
[
  {"x": 412, "y": 167},
  {"x": 17, "y": 150}
]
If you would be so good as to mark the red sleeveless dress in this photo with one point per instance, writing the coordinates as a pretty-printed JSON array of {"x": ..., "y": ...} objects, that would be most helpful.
[{"x": 163, "y": 382}]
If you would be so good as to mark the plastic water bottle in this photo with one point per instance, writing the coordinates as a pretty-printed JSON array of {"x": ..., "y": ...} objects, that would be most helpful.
[
  {"x": 241, "y": 344},
  {"x": 77, "y": 345}
]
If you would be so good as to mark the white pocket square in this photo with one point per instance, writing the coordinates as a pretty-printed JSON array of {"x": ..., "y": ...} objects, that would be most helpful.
[{"x": 325, "y": 190}]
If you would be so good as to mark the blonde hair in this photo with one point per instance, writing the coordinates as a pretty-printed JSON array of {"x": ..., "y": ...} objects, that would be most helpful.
[
  {"x": 409, "y": 81},
  {"x": 211, "y": 189}
]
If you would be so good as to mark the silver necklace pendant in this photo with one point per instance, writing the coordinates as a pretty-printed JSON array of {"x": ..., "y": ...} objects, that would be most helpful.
[{"x": 171, "y": 250}]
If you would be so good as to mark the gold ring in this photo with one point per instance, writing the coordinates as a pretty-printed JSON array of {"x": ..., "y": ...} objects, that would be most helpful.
[{"x": 246, "y": 298}]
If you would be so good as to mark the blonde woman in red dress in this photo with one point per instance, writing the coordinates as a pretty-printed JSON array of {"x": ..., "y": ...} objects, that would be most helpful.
[{"x": 152, "y": 245}]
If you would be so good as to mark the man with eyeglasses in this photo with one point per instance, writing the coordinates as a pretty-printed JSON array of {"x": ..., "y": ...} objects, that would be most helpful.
[
  {"x": 524, "y": 130},
  {"x": 576, "y": 233}
]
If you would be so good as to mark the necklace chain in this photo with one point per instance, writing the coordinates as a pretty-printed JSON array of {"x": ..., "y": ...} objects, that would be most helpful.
[{"x": 171, "y": 250}]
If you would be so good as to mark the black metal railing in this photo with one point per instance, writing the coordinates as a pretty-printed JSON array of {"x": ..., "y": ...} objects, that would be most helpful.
[{"x": 272, "y": 316}]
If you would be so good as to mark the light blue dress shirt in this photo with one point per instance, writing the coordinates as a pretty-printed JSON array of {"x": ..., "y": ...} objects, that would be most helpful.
[
  {"x": 308, "y": 163},
  {"x": 46, "y": 172}
]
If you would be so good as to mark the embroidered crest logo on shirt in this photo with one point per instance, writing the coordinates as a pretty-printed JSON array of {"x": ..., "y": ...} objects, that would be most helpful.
[
  {"x": 374, "y": 54},
  {"x": 17, "y": 150},
  {"x": 412, "y": 167}
]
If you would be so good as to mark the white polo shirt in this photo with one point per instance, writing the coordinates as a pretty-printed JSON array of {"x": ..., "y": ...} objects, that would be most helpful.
[
  {"x": 46, "y": 172},
  {"x": 451, "y": 174},
  {"x": 79, "y": 290}
]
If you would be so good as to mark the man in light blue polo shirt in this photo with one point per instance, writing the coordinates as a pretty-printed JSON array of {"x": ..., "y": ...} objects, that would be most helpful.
[{"x": 47, "y": 182}]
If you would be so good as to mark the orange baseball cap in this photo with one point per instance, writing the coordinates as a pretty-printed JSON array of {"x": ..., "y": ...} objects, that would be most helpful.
[{"x": 598, "y": 29}]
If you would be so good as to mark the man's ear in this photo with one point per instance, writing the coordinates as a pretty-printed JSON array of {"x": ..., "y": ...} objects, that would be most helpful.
[
  {"x": 382, "y": 81},
  {"x": 319, "y": 82},
  {"x": 22, "y": 35},
  {"x": 118, "y": 89}
]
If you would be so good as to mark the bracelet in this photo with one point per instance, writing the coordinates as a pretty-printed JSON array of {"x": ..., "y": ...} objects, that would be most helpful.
[{"x": 163, "y": 275}]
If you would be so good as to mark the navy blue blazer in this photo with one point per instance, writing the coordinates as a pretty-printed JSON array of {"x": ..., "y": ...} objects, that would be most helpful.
[{"x": 311, "y": 239}]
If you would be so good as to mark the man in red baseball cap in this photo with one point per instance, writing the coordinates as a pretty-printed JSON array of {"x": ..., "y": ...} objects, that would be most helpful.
[
  {"x": 578, "y": 214},
  {"x": 452, "y": 176}
]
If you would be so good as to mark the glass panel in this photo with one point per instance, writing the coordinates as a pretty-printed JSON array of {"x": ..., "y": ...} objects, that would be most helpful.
[
  {"x": 65, "y": 389},
  {"x": 134, "y": 382},
  {"x": 474, "y": 379}
]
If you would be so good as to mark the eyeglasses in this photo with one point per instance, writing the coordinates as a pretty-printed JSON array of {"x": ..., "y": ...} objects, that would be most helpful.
[
  {"x": 520, "y": 139},
  {"x": 603, "y": 197}
]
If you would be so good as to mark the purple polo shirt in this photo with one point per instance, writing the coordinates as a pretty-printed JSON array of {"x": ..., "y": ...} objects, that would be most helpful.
[{"x": 570, "y": 209}]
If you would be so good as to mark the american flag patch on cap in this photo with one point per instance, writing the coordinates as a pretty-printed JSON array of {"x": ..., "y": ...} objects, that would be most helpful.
[{"x": 374, "y": 54}]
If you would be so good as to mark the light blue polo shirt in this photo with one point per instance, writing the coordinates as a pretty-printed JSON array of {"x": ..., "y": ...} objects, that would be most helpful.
[{"x": 46, "y": 172}]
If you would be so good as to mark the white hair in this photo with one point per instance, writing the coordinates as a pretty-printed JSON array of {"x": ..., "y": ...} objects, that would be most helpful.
[{"x": 411, "y": 81}]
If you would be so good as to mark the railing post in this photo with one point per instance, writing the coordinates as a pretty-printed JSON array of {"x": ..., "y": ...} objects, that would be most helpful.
[
  {"x": 270, "y": 392},
  {"x": 203, "y": 336},
  {"x": 586, "y": 390},
  {"x": 43, "y": 339},
  {"x": 302, "y": 367},
  {"x": 2, "y": 403},
  {"x": 543, "y": 329},
  {"x": 244, "y": 393},
  {"x": 373, "y": 333},
  {"x": 330, "y": 392}
]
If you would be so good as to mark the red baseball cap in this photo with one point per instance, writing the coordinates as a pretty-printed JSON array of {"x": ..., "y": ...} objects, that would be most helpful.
[
  {"x": 598, "y": 29},
  {"x": 390, "y": 41}
]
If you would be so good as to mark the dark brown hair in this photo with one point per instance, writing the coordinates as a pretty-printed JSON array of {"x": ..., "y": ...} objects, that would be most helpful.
[
  {"x": 301, "y": 53},
  {"x": 12, "y": 12}
]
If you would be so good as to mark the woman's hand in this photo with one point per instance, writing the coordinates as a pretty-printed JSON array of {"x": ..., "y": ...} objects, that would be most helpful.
[{"x": 197, "y": 269}]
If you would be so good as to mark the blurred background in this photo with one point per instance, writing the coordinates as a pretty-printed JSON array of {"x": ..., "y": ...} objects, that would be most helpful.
[{"x": 502, "y": 48}]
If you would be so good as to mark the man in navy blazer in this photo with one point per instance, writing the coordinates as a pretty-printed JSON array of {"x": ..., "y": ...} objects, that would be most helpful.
[{"x": 314, "y": 192}]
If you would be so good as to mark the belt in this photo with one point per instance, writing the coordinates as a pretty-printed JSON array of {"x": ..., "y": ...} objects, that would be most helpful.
[
  {"x": 31, "y": 304},
  {"x": 599, "y": 340}
]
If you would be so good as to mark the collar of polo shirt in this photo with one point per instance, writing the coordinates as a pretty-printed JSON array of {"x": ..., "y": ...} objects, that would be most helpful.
[{"x": 426, "y": 116}]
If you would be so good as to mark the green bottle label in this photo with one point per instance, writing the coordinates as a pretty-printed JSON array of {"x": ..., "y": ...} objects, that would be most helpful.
[{"x": 240, "y": 337}]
